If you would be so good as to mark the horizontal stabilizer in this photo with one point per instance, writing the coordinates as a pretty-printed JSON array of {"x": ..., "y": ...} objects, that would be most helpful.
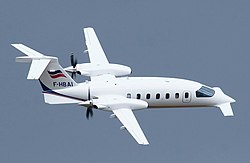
[
  {"x": 31, "y": 54},
  {"x": 28, "y": 51},
  {"x": 226, "y": 109},
  {"x": 55, "y": 99},
  {"x": 39, "y": 62}
]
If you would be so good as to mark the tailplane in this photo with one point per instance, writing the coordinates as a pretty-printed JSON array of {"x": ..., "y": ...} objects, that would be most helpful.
[{"x": 44, "y": 68}]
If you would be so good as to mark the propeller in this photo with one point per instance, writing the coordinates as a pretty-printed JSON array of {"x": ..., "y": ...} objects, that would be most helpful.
[
  {"x": 89, "y": 111},
  {"x": 73, "y": 62}
]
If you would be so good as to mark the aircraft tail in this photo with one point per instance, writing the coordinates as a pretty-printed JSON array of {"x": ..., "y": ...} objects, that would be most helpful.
[{"x": 44, "y": 68}]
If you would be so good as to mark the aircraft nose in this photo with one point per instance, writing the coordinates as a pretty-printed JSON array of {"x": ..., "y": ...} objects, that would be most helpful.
[
  {"x": 229, "y": 99},
  {"x": 223, "y": 98}
]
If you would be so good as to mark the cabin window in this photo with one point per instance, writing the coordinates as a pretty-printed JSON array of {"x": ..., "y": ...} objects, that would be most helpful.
[
  {"x": 129, "y": 95},
  {"x": 205, "y": 92},
  {"x": 186, "y": 95},
  {"x": 167, "y": 95},
  {"x": 148, "y": 96},
  {"x": 177, "y": 95},
  {"x": 157, "y": 96},
  {"x": 138, "y": 96}
]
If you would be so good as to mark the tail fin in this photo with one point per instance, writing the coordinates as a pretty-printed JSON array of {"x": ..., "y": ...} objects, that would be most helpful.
[{"x": 45, "y": 68}]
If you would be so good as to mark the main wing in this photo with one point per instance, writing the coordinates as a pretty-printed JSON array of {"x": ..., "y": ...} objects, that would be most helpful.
[
  {"x": 128, "y": 119},
  {"x": 122, "y": 107},
  {"x": 95, "y": 51},
  {"x": 99, "y": 67},
  {"x": 96, "y": 54}
]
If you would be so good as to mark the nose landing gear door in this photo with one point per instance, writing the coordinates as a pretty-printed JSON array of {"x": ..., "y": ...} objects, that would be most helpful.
[{"x": 186, "y": 97}]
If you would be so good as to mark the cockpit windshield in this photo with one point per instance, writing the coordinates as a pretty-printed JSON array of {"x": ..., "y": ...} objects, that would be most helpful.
[{"x": 205, "y": 92}]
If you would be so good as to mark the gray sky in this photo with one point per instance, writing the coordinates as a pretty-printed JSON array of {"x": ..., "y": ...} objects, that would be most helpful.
[{"x": 205, "y": 41}]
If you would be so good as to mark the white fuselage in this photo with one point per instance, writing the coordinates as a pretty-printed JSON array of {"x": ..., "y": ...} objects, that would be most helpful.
[{"x": 158, "y": 92}]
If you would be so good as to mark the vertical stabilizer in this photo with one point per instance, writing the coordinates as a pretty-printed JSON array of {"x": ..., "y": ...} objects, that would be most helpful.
[
  {"x": 37, "y": 67},
  {"x": 55, "y": 77}
]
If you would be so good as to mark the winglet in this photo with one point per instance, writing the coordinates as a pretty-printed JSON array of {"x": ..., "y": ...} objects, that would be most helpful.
[{"x": 226, "y": 109}]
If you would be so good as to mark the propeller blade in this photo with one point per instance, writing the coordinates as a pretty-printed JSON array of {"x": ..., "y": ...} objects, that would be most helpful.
[
  {"x": 73, "y": 75},
  {"x": 73, "y": 61},
  {"x": 89, "y": 112},
  {"x": 78, "y": 72}
]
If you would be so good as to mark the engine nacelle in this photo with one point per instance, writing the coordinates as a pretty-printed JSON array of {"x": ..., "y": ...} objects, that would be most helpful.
[{"x": 90, "y": 69}]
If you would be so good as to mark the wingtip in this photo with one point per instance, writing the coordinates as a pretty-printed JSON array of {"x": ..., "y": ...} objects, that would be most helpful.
[
  {"x": 144, "y": 143},
  {"x": 89, "y": 27},
  {"x": 13, "y": 44}
]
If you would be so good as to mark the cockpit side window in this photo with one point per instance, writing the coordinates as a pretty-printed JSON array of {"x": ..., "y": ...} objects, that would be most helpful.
[{"x": 205, "y": 92}]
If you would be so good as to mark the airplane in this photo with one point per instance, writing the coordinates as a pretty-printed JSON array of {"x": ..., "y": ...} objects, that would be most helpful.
[{"x": 111, "y": 89}]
